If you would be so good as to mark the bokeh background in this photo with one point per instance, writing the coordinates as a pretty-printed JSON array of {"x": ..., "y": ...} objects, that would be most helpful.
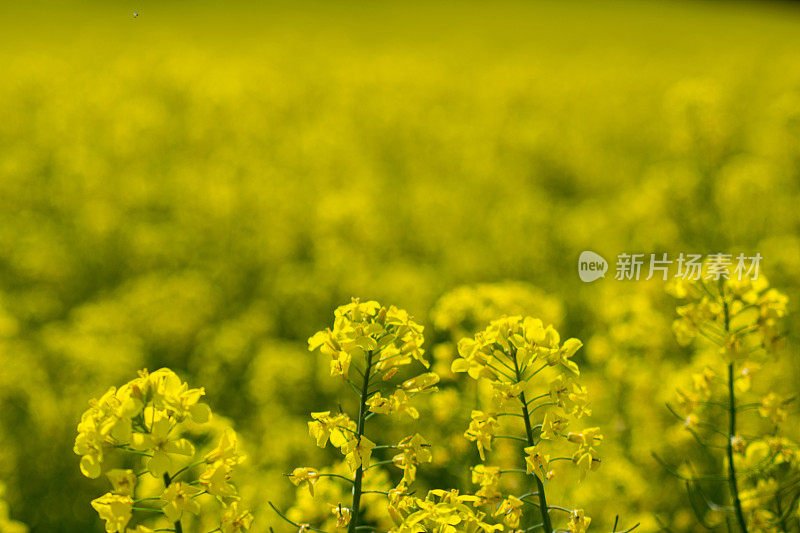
[{"x": 200, "y": 185}]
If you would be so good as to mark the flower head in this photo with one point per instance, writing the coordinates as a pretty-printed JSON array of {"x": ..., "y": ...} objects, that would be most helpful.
[
  {"x": 115, "y": 509},
  {"x": 236, "y": 518},
  {"x": 179, "y": 497},
  {"x": 305, "y": 476}
]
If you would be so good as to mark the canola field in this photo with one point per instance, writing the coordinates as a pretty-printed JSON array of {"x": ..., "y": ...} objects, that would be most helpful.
[{"x": 194, "y": 188}]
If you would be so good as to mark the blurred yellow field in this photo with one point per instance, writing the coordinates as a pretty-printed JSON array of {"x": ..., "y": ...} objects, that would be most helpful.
[{"x": 198, "y": 186}]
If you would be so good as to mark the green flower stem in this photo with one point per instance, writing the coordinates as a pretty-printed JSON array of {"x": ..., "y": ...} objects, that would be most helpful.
[
  {"x": 737, "y": 503},
  {"x": 187, "y": 467},
  {"x": 379, "y": 463},
  {"x": 512, "y": 437},
  {"x": 545, "y": 395},
  {"x": 362, "y": 416},
  {"x": 167, "y": 481},
  {"x": 332, "y": 475},
  {"x": 543, "y": 508},
  {"x": 295, "y": 524}
]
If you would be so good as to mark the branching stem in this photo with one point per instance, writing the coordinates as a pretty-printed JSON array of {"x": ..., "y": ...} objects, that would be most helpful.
[
  {"x": 737, "y": 503},
  {"x": 543, "y": 508},
  {"x": 362, "y": 418}
]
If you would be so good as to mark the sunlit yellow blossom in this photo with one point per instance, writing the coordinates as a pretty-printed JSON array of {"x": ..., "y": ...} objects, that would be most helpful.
[
  {"x": 236, "y": 519},
  {"x": 340, "y": 364},
  {"x": 511, "y": 511},
  {"x": 414, "y": 450},
  {"x": 227, "y": 450},
  {"x": 586, "y": 457},
  {"x": 89, "y": 445},
  {"x": 161, "y": 442},
  {"x": 502, "y": 393},
  {"x": 358, "y": 452},
  {"x": 305, "y": 476},
  {"x": 342, "y": 515},
  {"x": 485, "y": 475},
  {"x": 174, "y": 396},
  {"x": 482, "y": 428},
  {"x": 123, "y": 481},
  {"x": 362, "y": 328},
  {"x": 398, "y": 403},
  {"x": 179, "y": 497},
  {"x": 536, "y": 462},
  {"x": 400, "y": 502},
  {"x": 422, "y": 383},
  {"x": 553, "y": 425},
  {"x": 578, "y": 522},
  {"x": 488, "y": 477},
  {"x": 554, "y": 353},
  {"x": 740, "y": 318},
  {"x": 570, "y": 396},
  {"x": 335, "y": 428},
  {"x": 472, "y": 360},
  {"x": 154, "y": 413},
  {"x": 379, "y": 404},
  {"x": 115, "y": 509},
  {"x": 106, "y": 422},
  {"x": 216, "y": 480},
  {"x": 374, "y": 342}
]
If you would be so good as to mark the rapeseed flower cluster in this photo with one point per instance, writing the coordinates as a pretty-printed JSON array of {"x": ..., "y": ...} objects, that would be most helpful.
[
  {"x": 137, "y": 435},
  {"x": 532, "y": 377},
  {"x": 735, "y": 327},
  {"x": 441, "y": 511},
  {"x": 368, "y": 346},
  {"x": 467, "y": 309},
  {"x": 522, "y": 370}
]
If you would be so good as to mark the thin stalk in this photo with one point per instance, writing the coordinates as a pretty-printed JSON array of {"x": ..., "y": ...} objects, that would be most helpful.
[
  {"x": 295, "y": 524},
  {"x": 543, "y": 508},
  {"x": 737, "y": 503},
  {"x": 362, "y": 416},
  {"x": 185, "y": 468}
]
